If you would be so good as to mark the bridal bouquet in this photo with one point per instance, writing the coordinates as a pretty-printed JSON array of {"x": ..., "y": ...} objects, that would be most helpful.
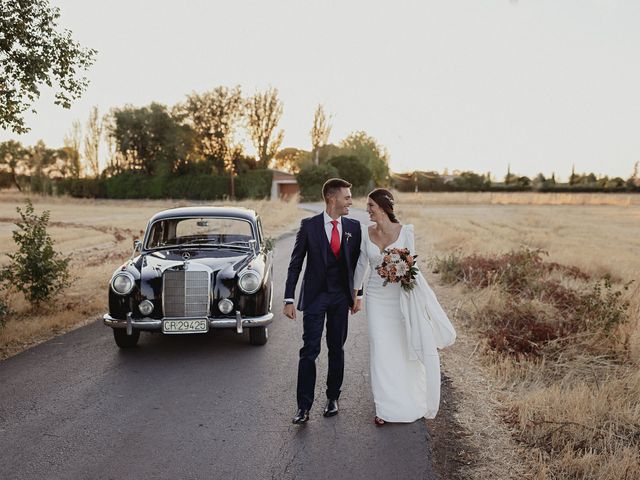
[{"x": 398, "y": 266}]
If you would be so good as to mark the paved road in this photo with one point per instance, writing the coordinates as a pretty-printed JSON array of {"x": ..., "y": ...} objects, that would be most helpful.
[{"x": 194, "y": 407}]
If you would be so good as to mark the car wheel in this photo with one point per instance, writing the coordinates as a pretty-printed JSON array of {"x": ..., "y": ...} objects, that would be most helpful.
[
  {"x": 258, "y": 335},
  {"x": 126, "y": 341}
]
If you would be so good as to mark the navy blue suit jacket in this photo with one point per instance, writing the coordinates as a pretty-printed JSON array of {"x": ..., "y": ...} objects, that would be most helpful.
[{"x": 311, "y": 241}]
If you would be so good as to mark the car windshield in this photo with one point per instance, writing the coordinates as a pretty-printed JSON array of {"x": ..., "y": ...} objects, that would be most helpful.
[{"x": 199, "y": 231}]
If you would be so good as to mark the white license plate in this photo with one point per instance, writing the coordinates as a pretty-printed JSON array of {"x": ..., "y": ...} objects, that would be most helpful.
[{"x": 185, "y": 326}]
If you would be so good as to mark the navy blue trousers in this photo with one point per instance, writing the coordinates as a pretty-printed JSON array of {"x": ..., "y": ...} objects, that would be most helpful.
[{"x": 334, "y": 306}]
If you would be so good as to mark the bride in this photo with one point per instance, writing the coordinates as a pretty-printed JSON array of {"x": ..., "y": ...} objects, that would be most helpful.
[{"x": 405, "y": 327}]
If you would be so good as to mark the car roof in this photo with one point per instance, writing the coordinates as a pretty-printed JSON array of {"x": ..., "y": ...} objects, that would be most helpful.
[{"x": 197, "y": 212}]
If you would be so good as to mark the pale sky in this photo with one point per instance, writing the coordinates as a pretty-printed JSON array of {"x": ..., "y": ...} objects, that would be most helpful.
[{"x": 457, "y": 84}]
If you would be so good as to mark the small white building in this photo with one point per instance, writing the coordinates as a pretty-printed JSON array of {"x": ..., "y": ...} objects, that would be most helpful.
[{"x": 284, "y": 185}]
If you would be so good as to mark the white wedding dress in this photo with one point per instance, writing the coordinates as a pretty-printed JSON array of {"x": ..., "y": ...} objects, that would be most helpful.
[{"x": 405, "y": 330}]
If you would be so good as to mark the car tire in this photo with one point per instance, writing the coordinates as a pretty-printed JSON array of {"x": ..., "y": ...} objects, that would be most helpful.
[
  {"x": 126, "y": 341},
  {"x": 258, "y": 335}
]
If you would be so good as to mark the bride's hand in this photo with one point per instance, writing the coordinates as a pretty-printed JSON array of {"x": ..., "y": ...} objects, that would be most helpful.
[{"x": 357, "y": 306}]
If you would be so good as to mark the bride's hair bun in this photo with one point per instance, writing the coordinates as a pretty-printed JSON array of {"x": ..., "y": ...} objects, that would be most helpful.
[{"x": 384, "y": 199}]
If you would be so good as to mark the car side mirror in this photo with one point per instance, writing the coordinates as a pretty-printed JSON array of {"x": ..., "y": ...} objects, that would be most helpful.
[
  {"x": 254, "y": 245},
  {"x": 137, "y": 247}
]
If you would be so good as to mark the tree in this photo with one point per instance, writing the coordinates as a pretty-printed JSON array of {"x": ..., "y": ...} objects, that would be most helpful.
[
  {"x": 115, "y": 158},
  {"x": 290, "y": 160},
  {"x": 353, "y": 170},
  {"x": 510, "y": 178},
  {"x": 573, "y": 178},
  {"x": 149, "y": 139},
  {"x": 540, "y": 182},
  {"x": 72, "y": 143},
  {"x": 367, "y": 149},
  {"x": 39, "y": 159},
  {"x": 264, "y": 111},
  {"x": 320, "y": 131},
  {"x": 34, "y": 53},
  {"x": 616, "y": 183},
  {"x": 214, "y": 117},
  {"x": 328, "y": 151},
  {"x": 13, "y": 159},
  {"x": 633, "y": 182},
  {"x": 92, "y": 138},
  {"x": 428, "y": 181},
  {"x": 469, "y": 181},
  {"x": 312, "y": 177},
  {"x": 66, "y": 163}
]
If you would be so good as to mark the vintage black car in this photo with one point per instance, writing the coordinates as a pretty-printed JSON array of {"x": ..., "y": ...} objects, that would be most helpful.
[{"x": 197, "y": 269}]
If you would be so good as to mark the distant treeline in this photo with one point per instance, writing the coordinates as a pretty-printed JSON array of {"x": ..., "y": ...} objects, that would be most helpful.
[
  {"x": 429, "y": 181},
  {"x": 190, "y": 150}
]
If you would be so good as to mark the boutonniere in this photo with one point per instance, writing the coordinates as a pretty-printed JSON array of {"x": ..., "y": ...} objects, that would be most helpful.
[{"x": 347, "y": 236}]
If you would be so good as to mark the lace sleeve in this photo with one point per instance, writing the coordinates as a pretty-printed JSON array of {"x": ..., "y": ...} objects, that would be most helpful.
[{"x": 363, "y": 260}]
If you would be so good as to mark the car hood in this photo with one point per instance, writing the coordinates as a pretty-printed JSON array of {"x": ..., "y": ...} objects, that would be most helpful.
[{"x": 214, "y": 259}]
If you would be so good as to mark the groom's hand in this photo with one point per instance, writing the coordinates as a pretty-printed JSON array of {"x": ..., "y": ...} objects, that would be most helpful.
[
  {"x": 357, "y": 306},
  {"x": 290, "y": 311}
]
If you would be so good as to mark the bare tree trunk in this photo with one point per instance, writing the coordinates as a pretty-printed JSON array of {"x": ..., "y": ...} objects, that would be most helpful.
[{"x": 14, "y": 177}]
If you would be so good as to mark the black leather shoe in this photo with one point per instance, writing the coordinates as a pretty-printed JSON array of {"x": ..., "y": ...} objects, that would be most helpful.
[
  {"x": 302, "y": 416},
  {"x": 331, "y": 408}
]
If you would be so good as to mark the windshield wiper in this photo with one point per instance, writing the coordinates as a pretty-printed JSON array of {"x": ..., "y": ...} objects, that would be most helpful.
[
  {"x": 179, "y": 246},
  {"x": 234, "y": 244}
]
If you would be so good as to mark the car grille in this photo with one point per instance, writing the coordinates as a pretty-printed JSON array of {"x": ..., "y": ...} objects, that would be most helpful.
[{"x": 186, "y": 294}]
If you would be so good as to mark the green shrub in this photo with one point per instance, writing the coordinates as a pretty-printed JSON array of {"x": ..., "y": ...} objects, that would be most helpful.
[
  {"x": 198, "y": 187},
  {"x": 254, "y": 184},
  {"x": 311, "y": 179},
  {"x": 36, "y": 269},
  {"x": 603, "y": 308},
  {"x": 128, "y": 185},
  {"x": 353, "y": 170},
  {"x": 82, "y": 187}
]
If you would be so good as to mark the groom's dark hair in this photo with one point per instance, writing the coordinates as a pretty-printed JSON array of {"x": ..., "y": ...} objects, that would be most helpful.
[{"x": 331, "y": 187}]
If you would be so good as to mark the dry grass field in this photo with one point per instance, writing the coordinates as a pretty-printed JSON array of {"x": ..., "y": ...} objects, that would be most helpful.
[
  {"x": 572, "y": 410},
  {"x": 99, "y": 235}
]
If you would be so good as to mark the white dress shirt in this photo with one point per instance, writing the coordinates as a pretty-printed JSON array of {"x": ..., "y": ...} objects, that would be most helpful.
[{"x": 328, "y": 226}]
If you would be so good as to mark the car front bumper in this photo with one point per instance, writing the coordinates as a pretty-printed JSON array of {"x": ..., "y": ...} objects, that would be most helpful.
[{"x": 146, "y": 323}]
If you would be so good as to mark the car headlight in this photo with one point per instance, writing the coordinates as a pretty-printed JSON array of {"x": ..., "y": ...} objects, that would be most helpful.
[
  {"x": 122, "y": 283},
  {"x": 225, "y": 305},
  {"x": 146, "y": 307},
  {"x": 249, "y": 282}
]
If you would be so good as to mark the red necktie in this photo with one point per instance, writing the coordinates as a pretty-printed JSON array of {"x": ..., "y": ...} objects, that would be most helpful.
[{"x": 335, "y": 239}]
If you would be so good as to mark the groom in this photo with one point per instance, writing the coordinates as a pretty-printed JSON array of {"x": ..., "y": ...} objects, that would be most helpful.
[{"x": 331, "y": 244}]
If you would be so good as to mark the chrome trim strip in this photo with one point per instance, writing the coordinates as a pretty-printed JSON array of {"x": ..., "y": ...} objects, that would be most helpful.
[
  {"x": 156, "y": 324},
  {"x": 238, "y": 322}
]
